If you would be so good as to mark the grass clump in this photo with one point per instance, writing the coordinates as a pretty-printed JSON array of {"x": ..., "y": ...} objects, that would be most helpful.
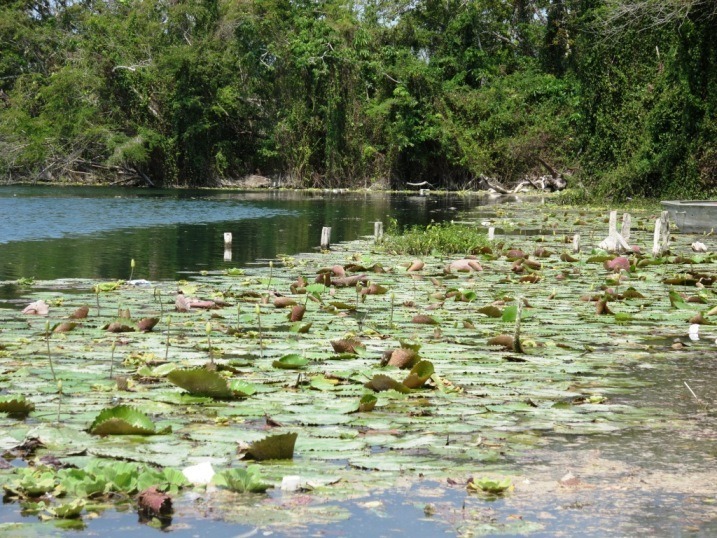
[{"x": 443, "y": 238}]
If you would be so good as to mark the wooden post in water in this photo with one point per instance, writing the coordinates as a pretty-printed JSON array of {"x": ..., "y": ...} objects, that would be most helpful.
[
  {"x": 378, "y": 231},
  {"x": 491, "y": 233},
  {"x": 661, "y": 239},
  {"x": 626, "y": 223},
  {"x": 576, "y": 243},
  {"x": 615, "y": 242},
  {"x": 227, "y": 246},
  {"x": 325, "y": 237}
]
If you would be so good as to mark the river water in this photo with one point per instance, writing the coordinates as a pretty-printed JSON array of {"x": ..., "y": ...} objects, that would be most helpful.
[{"x": 77, "y": 232}]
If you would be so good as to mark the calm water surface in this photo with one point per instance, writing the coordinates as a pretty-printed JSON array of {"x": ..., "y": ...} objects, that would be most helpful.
[{"x": 48, "y": 232}]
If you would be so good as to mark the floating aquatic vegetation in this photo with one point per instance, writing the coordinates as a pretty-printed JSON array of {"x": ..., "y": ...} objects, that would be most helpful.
[
  {"x": 124, "y": 420},
  {"x": 273, "y": 447},
  {"x": 247, "y": 480},
  {"x": 207, "y": 382},
  {"x": 479, "y": 387},
  {"x": 16, "y": 406},
  {"x": 291, "y": 362}
]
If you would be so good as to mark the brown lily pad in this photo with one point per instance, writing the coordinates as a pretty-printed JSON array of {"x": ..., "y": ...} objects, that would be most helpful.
[
  {"x": 273, "y": 447},
  {"x": 153, "y": 503}
]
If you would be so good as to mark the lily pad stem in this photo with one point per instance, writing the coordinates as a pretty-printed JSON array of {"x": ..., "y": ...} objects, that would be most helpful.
[
  {"x": 158, "y": 295},
  {"x": 112, "y": 358},
  {"x": 517, "y": 345},
  {"x": 59, "y": 400},
  {"x": 209, "y": 341},
  {"x": 49, "y": 355},
  {"x": 166, "y": 347},
  {"x": 261, "y": 334}
]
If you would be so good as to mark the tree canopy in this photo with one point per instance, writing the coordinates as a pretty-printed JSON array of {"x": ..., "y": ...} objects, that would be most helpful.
[{"x": 332, "y": 93}]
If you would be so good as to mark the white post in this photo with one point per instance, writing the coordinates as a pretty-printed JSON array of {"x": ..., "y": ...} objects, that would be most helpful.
[
  {"x": 227, "y": 254},
  {"x": 325, "y": 237},
  {"x": 227, "y": 238},
  {"x": 626, "y": 222},
  {"x": 378, "y": 231},
  {"x": 491, "y": 233},
  {"x": 661, "y": 239},
  {"x": 576, "y": 243}
]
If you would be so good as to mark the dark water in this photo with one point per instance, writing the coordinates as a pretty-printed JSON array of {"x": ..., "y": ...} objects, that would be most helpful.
[{"x": 48, "y": 233}]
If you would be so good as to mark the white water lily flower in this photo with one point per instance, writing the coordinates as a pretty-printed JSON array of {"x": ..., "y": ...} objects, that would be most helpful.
[
  {"x": 699, "y": 247},
  {"x": 201, "y": 473},
  {"x": 290, "y": 483},
  {"x": 694, "y": 332}
]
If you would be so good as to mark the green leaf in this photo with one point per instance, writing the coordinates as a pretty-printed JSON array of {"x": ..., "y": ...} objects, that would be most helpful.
[
  {"x": 367, "y": 403},
  {"x": 490, "y": 485},
  {"x": 16, "y": 406},
  {"x": 122, "y": 420},
  {"x": 247, "y": 480},
  {"x": 419, "y": 374},
  {"x": 68, "y": 510},
  {"x": 201, "y": 382},
  {"x": 291, "y": 362}
]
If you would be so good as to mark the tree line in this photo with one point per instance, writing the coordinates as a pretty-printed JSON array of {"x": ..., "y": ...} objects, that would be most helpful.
[{"x": 362, "y": 93}]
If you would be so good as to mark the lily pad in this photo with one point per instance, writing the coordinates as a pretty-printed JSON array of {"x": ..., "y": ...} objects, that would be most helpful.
[
  {"x": 291, "y": 362},
  {"x": 123, "y": 420},
  {"x": 16, "y": 406},
  {"x": 420, "y": 373},
  {"x": 274, "y": 447},
  {"x": 205, "y": 382},
  {"x": 381, "y": 382}
]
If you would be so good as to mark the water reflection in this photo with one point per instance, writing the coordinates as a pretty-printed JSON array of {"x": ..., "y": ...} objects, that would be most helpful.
[{"x": 52, "y": 233}]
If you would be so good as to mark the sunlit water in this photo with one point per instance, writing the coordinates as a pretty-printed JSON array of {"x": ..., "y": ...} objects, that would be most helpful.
[{"x": 48, "y": 233}]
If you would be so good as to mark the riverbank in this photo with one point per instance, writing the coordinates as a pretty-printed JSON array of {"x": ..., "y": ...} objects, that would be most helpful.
[{"x": 593, "y": 427}]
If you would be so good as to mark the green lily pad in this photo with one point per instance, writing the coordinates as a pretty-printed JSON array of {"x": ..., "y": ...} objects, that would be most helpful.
[
  {"x": 367, "y": 403},
  {"x": 204, "y": 382},
  {"x": 123, "y": 420},
  {"x": 16, "y": 406},
  {"x": 419, "y": 374},
  {"x": 291, "y": 362}
]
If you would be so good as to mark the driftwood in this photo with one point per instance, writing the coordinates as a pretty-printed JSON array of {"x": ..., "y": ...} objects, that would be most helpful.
[{"x": 556, "y": 181}]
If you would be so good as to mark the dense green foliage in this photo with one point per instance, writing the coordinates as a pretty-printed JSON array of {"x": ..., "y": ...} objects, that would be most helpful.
[
  {"x": 350, "y": 94},
  {"x": 437, "y": 239}
]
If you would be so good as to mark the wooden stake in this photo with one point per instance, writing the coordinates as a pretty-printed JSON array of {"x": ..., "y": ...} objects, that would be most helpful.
[
  {"x": 378, "y": 231},
  {"x": 325, "y": 238},
  {"x": 576, "y": 243},
  {"x": 661, "y": 239},
  {"x": 626, "y": 223}
]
